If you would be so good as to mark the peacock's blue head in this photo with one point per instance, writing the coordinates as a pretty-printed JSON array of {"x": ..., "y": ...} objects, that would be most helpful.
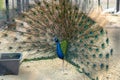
[{"x": 56, "y": 39}]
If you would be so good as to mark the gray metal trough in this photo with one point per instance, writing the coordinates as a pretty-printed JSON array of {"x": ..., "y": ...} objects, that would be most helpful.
[{"x": 9, "y": 63}]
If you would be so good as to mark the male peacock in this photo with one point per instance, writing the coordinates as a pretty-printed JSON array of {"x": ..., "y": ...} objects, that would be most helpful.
[{"x": 81, "y": 39}]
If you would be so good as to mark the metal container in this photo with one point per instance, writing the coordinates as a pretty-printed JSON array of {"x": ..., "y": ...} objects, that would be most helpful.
[{"x": 9, "y": 63}]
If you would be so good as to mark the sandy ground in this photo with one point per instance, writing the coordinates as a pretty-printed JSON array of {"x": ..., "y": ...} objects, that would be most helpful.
[{"x": 44, "y": 70}]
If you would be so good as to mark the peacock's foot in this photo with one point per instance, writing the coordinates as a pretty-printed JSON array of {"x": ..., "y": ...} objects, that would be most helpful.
[{"x": 64, "y": 71}]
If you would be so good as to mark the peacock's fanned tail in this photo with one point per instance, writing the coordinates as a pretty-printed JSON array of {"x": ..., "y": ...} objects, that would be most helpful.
[{"x": 88, "y": 46}]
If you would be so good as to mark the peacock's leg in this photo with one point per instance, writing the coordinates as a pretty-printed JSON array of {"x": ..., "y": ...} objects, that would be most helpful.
[{"x": 63, "y": 68}]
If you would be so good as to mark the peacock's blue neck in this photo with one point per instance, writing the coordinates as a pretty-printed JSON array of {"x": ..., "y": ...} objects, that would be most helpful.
[{"x": 59, "y": 50}]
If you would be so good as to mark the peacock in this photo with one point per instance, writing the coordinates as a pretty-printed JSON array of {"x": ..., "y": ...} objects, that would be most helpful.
[{"x": 61, "y": 28}]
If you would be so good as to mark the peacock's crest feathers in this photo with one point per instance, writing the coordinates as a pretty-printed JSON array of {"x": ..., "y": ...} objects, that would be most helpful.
[{"x": 84, "y": 40}]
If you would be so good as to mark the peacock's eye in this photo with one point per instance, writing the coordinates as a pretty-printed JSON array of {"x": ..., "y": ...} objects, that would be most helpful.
[
  {"x": 107, "y": 40},
  {"x": 100, "y": 55},
  {"x": 19, "y": 47},
  {"x": 101, "y": 65},
  {"x": 94, "y": 65},
  {"x": 94, "y": 56},
  {"x": 107, "y": 67},
  {"x": 107, "y": 55},
  {"x": 91, "y": 32},
  {"x": 55, "y": 39},
  {"x": 103, "y": 45},
  {"x": 102, "y": 31},
  {"x": 15, "y": 39},
  {"x": 88, "y": 74},
  {"x": 10, "y": 48},
  {"x": 111, "y": 51}
]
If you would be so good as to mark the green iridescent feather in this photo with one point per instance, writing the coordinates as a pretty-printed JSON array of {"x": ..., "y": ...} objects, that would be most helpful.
[{"x": 64, "y": 46}]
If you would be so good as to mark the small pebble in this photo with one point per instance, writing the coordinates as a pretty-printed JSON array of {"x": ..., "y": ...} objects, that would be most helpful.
[{"x": 28, "y": 66}]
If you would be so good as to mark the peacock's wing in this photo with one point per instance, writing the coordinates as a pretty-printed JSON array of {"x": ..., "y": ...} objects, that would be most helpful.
[
  {"x": 30, "y": 33},
  {"x": 22, "y": 38}
]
